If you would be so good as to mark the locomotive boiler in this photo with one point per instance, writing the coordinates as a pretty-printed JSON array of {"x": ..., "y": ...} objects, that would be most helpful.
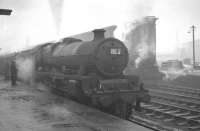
[
  {"x": 90, "y": 72},
  {"x": 106, "y": 58}
]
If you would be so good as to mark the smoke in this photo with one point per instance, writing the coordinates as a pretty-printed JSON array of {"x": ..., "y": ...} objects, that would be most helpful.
[
  {"x": 173, "y": 73},
  {"x": 57, "y": 11},
  {"x": 140, "y": 40},
  {"x": 25, "y": 68},
  {"x": 123, "y": 30},
  {"x": 143, "y": 52},
  {"x": 137, "y": 10}
]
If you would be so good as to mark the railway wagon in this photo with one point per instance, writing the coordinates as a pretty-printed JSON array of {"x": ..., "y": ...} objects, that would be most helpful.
[{"x": 90, "y": 72}]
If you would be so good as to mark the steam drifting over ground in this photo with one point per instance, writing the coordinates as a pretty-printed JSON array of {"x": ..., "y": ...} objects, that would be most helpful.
[
  {"x": 25, "y": 68},
  {"x": 172, "y": 74}
]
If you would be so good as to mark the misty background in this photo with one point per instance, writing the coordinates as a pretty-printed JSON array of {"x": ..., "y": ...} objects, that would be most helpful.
[{"x": 34, "y": 21}]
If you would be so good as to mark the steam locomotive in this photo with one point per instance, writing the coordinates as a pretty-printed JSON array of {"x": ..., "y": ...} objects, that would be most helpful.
[{"x": 90, "y": 72}]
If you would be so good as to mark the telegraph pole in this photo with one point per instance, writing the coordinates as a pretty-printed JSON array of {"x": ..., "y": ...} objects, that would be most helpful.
[{"x": 193, "y": 43}]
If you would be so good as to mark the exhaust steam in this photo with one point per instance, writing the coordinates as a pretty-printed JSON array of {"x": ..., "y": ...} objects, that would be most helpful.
[{"x": 25, "y": 68}]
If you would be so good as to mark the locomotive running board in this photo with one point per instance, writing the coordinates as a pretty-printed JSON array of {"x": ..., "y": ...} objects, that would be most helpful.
[{"x": 62, "y": 76}]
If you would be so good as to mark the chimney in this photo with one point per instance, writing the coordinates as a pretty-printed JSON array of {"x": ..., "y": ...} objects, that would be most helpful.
[
  {"x": 98, "y": 34},
  {"x": 150, "y": 19}
]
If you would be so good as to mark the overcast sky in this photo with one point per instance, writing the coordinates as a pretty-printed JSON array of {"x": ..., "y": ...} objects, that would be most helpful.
[{"x": 32, "y": 21}]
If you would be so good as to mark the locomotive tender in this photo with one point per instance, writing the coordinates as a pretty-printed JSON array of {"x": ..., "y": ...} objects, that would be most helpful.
[{"x": 90, "y": 72}]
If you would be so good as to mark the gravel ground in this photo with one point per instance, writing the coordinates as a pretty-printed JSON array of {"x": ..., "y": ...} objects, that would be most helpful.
[{"x": 34, "y": 108}]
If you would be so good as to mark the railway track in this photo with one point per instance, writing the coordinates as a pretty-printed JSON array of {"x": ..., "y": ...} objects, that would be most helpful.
[
  {"x": 175, "y": 97},
  {"x": 191, "y": 92},
  {"x": 171, "y": 108}
]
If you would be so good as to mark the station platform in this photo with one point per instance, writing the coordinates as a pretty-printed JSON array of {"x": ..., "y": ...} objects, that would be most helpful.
[{"x": 35, "y": 108}]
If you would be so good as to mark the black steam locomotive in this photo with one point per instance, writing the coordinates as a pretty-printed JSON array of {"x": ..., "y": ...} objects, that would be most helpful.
[{"x": 90, "y": 72}]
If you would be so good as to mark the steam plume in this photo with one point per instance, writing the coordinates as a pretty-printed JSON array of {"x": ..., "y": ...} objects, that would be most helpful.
[
  {"x": 56, "y": 9},
  {"x": 141, "y": 41},
  {"x": 25, "y": 68},
  {"x": 143, "y": 52},
  {"x": 172, "y": 73}
]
